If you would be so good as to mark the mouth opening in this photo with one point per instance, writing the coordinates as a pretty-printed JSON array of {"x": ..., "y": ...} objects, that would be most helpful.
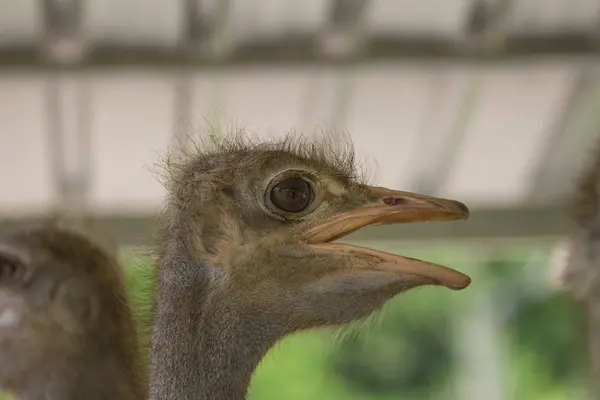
[{"x": 323, "y": 237}]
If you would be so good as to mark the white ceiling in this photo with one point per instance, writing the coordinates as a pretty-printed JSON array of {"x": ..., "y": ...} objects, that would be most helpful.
[{"x": 402, "y": 118}]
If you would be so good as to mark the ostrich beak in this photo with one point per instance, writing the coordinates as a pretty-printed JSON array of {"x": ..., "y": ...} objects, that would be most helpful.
[{"x": 386, "y": 206}]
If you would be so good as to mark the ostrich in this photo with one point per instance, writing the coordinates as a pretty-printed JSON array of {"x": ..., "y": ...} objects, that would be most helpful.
[
  {"x": 66, "y": 330},
  {"x": 581, "y": 275},
  {"x": 249, "y": 255}
]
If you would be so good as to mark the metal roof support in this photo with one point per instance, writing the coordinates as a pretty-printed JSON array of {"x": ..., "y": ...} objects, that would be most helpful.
[
  {"x": 194, "y": 32},
  {"x": 487, "y": 28},
  {"x": 64, "y": 45},
  {"x": 70, "y": 143},
  {"x": 205, "y": 34},
  {"x": 342, "y": 39},
  {"x": 184, "y": 97},
  {"x": 345, "y": 34},
  {"x": 63, "y": 39},
  {"x": 302, "y": 51},
  {"x": 209, "y": 23},
  {"x": 206, "y": 28}
]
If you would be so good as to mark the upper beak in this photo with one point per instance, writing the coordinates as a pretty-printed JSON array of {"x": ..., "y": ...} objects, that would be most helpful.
[{"x": 386, "y": 206}]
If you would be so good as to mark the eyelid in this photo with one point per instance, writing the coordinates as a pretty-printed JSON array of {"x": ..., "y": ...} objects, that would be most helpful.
[{"x": 309, "y": 175}]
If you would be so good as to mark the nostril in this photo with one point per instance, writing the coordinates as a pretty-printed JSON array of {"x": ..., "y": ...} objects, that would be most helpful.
[{"x": 394, "y": 201}]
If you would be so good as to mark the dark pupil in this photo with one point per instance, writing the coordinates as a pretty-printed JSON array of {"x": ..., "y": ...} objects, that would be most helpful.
[{"x": 291, "y": 195}]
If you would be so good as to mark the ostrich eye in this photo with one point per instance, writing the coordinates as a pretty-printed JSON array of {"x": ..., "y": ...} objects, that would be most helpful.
[{"x": 292, "y": 195}]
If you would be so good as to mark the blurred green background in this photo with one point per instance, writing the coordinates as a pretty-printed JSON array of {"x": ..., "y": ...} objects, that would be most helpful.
[{"x": 510, "y": 331}]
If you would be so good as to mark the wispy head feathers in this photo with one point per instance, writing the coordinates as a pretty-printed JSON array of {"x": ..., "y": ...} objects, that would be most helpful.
[{"x": 215, "y": 152}]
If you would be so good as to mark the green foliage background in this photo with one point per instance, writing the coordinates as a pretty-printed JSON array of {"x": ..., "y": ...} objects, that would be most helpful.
[{"x": 406, "y": 351}]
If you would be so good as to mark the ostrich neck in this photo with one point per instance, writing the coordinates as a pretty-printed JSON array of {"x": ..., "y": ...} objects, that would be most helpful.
[{"x": 204, "y": 345}]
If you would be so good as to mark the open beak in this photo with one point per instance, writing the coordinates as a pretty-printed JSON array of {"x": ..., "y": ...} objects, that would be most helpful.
[{"x": 386, "y": 206}]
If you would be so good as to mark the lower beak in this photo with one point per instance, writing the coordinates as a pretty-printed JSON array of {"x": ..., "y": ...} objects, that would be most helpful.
[
  {"x": 389, "y": 207},
  {"x": 387, "y": 262}
]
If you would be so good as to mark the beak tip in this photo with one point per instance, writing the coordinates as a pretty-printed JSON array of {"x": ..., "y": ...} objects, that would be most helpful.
[
  {"x": 462, "y": 209},
  {"x": 462, "y": 284}
]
